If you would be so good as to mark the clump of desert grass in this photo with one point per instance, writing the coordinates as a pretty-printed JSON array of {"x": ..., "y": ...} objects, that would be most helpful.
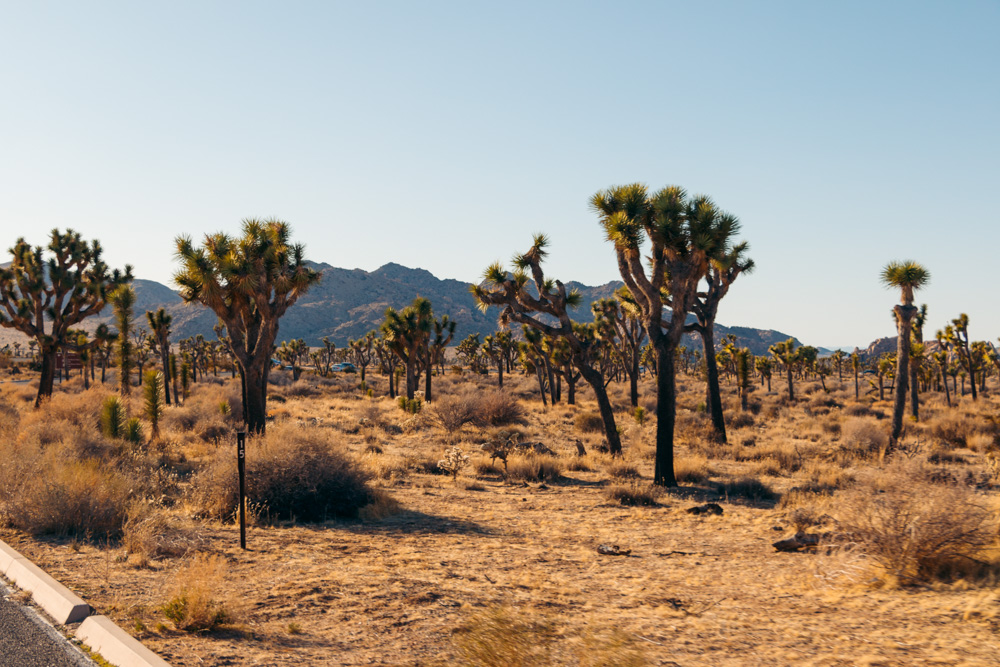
[
  {"x": 194, "y": 604},
  {"x": 480, "y": 408}
]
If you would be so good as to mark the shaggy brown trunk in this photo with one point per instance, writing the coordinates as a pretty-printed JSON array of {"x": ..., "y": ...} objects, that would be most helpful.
[
  {"x": 48, "y": 356},
  {"x": 904, "y": 319},
  {"x": 944, "y": 381},
  {"x": 713, "y": 394},
  {"x": 791, "y": 392},
  {"x": 633, "y": 381},
  {"x": 427, "y": 378},
  {"x": 500, "y": 372},
  {"x": 165, "y": 361},
  {"x": 254, "y": 384},
  {"x": 666, "y": 406},
  {"x": 596, "y": 381}
]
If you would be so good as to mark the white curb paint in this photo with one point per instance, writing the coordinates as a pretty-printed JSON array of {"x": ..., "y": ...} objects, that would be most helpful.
[
  {"x": 59, "y": 602},
  {"x": 115, "y": 645}
]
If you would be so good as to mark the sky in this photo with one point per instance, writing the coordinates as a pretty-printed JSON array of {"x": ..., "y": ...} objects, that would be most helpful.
[{"x": 442, "y": 135}]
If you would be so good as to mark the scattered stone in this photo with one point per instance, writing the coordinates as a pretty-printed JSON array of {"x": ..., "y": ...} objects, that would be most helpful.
[
  {"x": 707, "y": 508},
  {"x": 612, "y": 550},
  {"x": 798, "y": 542}
]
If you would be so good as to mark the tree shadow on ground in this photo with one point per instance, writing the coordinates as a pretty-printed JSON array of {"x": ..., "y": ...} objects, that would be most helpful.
[{"x": 411, "y": 522}]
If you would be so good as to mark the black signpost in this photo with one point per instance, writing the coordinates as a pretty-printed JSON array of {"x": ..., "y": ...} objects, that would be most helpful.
[{"x": 241, "y": 459}]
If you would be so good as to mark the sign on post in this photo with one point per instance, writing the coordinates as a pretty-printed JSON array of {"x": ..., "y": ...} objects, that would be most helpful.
[{"x": 241, "y": 466}]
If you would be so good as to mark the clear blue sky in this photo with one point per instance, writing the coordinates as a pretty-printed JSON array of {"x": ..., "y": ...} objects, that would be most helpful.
[{"x": 442, "y": 134}]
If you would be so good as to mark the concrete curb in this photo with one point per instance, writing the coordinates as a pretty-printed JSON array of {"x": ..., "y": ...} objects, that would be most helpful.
[
  {"x": 98, "y": 632},
  {"x": 115, "y": 645}
]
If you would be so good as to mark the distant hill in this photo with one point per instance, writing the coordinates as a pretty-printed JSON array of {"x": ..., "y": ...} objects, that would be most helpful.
[{"x": 347, "y": 303}]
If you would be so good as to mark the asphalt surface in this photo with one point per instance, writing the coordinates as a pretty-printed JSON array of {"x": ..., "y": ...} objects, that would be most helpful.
[{"x": 28, "y": 641}]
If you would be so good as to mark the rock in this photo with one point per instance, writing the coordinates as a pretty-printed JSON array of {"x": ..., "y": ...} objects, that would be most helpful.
[
  {"x": 580, "y": 449},
  {"x": 798, "y": 542},
  {"x": 612, "y": 550},
  {"x": 707, "y": 508}
]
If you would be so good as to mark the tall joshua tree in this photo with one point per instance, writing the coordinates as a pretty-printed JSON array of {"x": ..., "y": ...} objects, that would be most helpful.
[
  {"x": 44, "y": 298},
  {"x": 618, "y": 321},
  {"x": 722, "y": 272},
  {"x": 407, "y": 332},
  {"x": 249, "y": 282},
  {"x": 444, "y": 331},
  {"x": 123, "y": 299},
  {"x": 907, "y": 276},
  {"x": 918, "y": 344},
  {"x": 159, "y": 324},
  {"x": 685, "y": 234},
  {"x": 789, "y": 357},
  {"x": 511, "y": 292}
]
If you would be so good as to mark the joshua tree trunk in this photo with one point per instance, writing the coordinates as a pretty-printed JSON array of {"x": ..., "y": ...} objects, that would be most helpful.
[
  {"x": 665, "y": 413},
  {"x": 904, "y": 319},
  {"x": 48, "y": 357},
  {"x": 427, "y": 378},
  {"x": 596, "y": 381},
  {"x": 253, "y": 380},
  {"x": 633, "y": 381},
  {"x": 791, "y": 392},
  {"x": 713, "y": 394},
  {"x": 944, "y": 381},
  {"x": 500, "y": 372}
]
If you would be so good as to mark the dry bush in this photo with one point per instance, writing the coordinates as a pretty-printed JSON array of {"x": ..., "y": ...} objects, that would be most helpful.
[
  {"x": 534, "y": 467},
  {"x": 691, "y": 469},
  {"x": 617, "y": 469},
  {"x": 913, "y": 529},
  {"x": 193, "y": 606},
  {"x": 952, "y": 428},
  {"x": 499, "y": 637},
  {"x": 981, "y": 442},
  {"x": 863, "y": 438},
  {"x": 46, "y": 491},
  {"x": 292, "y": 472},
  {"x": 747, "y": 488},
  {"x": 739, "y": 419},
  {"x": 492, "y": 407},
  {"x": 633, "y": 494},
  {"x": 151, "y": 533},
  {"x": 201, "y": 407},
  {"x": 589, "y": 422}
]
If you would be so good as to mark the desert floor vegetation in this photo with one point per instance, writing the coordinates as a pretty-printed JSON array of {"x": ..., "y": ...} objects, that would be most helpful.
[{"x": 383, "y": 536}]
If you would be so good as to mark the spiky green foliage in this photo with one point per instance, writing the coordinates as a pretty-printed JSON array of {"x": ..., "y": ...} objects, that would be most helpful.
[
  {"x": 113, "y": 417},
  {"x": 249, "y": 281},
  {"x": 907, "y": 276},
  {"x": 153, "y": 401},
  {"x": 123, "y": 300},
  {"x": 132, "y": 433},
  {"x": 159, "y": 324},
  {"x": 406, "y": 333},
  {"x": 44, "y": 297}
]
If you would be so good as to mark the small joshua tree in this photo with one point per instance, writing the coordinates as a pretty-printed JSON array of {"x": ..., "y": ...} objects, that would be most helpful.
[
  {"x": 152, "y": 396},
  {"x": 123, "y": 299}
]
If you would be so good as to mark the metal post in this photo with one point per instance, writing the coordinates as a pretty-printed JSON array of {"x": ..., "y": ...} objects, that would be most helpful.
[{"x": 241, "y": 456}]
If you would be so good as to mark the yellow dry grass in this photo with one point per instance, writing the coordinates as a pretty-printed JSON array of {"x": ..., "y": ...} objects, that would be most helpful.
[{"x": 438, "y": 567}]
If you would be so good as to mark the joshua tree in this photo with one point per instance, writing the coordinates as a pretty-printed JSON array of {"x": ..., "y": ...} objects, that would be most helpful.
[
  {"x": 249, "y": 282},
  {"x": 786, "y": 353},
  {"x": 123, "y": 298},
  {"x": 618, "y": 321},
  {"x": 444, "y": 331},
  {"x": 491, "y": 348},
  {"x": 722, "y": 272},
  {"x": 685, "y": 236},
  {"x": 916, "y": 359},
  {"x": 514, "y": 296},
  {"x": 159, "y": 324},
  {"x": 838, "y": 359},
  {"x": 744, "y": 369},
  {"x": 407, "y": 332},
  {"x": 856, "y": 366},
  {"x": 764, "y": 366},
  {"x": 152, "y": 398},
  {"x": 44, "y": 298},
  {"x": 363, "y": 351},
  {"x": 907, "y": 276},
  {"x": 292, "y": 353}
]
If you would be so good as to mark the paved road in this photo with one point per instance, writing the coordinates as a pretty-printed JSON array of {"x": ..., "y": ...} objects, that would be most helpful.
[{"x": 28, "y": 641}]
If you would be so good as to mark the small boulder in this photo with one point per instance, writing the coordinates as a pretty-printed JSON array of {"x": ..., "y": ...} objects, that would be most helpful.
[
  {"x": 707, "y": 508},
  {"x": 612, "y": 550}
]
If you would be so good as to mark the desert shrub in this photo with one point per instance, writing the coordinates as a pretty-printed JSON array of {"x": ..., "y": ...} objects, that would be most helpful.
[
  {"x": 45, "y": 491},
  {"x": 453, "y": 462},
  {"x": 863, "y": 438},
  {"x": 151, "y": 533},
  {"x": 632, "y": 494},
  {"x": 952, "y": 429},
  {"x": 292, "y": 472},
  {"x": 193, "y": 606},
  {"x": 534, "y": 468},
  {"x": 747, "y": 488},
  {"x": 411, "y": 405},
  {"x": 691, "y": 469},
  {"x": 911, "y": 528},
  {"x": 589, "y": 422},
  {"x": 740, "y": 419},
  {"x": 492, "y": 407},
  {"x": 113, "y": 417},
  {"x": 621, "y": 470}
]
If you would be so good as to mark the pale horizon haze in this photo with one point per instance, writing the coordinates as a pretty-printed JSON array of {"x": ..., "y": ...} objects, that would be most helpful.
[{"x": 441, "y": 135}]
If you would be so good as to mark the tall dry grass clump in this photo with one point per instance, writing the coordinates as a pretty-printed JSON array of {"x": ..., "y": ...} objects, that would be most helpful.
[
  {"x": 193, "y": 605},
  {"x": 863, "y": 438},
  {"x": 912, "y": 528},
  {"x": 293, "y": 472},
  {"x": 490, "y": 407}
]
